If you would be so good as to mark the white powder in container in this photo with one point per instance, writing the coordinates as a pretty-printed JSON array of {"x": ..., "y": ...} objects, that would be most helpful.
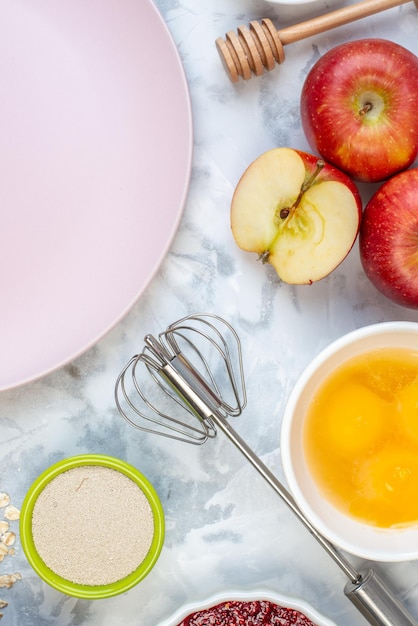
[{"x": 92, "y": 525}]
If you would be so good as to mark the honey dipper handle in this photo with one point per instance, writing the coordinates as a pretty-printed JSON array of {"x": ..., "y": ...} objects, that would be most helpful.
[
  {"x": 335, "y": 18},
  {"x": 257, "y": 48}
]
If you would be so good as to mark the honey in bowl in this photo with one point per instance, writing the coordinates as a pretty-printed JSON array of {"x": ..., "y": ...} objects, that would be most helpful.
[{"x": 361, "y": 437}]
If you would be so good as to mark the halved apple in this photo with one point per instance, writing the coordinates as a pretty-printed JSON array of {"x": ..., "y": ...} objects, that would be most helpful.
[{"x": 296, "y": 212}]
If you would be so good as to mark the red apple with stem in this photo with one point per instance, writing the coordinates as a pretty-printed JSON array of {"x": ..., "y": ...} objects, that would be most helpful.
[
  {"x": 296, "y": 212},
  {"x": 388, "y": 240},
  {"x": 359, "y": 107}
]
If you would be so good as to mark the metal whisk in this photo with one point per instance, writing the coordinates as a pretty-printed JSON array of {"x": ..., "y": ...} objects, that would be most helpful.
[{"x": 196, "y": 367}]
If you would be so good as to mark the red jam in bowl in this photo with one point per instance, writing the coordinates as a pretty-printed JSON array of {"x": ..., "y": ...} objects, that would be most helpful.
[{"x": 243, "y": 613}]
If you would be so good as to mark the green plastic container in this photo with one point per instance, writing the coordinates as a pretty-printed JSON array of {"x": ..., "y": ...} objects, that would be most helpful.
[{"x": 94, "y": 591}]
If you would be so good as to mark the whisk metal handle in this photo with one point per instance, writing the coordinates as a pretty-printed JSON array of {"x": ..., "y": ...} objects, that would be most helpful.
[
  {"x": 281, "y": 490},
  {"x": 191, "y": 387},
  {"x": 203, "y": 401},
  {"x": 376, "y": 602}
]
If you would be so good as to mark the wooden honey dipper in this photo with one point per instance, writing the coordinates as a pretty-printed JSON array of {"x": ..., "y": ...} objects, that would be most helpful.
[{"x": 261, "y": 46}]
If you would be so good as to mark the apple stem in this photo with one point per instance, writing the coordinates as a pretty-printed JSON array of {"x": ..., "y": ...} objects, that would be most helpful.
[
  {"x": 285, "y": 212},
  {"x": 367, "y": 107},
  {"x": 264, "y": 257}
]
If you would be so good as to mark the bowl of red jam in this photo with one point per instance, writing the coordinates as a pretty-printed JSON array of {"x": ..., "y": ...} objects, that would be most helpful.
[{"x": 240, "y": 608}]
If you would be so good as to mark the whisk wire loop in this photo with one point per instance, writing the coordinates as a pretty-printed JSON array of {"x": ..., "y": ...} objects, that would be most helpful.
[
  {"x": 233, "y": 366},
  {"x": 170, "y": 362}
]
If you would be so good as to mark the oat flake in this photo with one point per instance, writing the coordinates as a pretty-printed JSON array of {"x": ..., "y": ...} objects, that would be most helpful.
[
  {"x": 8, "y": 538},
  {"x": 4, "y": 499},
  {"x": 12, "y": 513},
  {"x": 8, "y": 580}
]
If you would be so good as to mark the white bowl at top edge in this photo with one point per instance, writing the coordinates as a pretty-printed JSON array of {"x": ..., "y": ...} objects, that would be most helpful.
[
  {"x": 290, "y": 3},
  {"x": 248, "y": 596},
  {"x": 296, "y": 11},
  {"x": 347, "y": 533}
]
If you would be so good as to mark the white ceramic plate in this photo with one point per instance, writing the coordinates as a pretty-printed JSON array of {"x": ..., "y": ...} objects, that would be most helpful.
[
  {"x": 95, "y": 157},
  {"x": 247, "y": 596}
]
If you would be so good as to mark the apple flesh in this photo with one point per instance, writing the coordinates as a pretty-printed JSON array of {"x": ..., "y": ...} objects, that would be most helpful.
[
  {"x": 388, "y": 240},
  {"x": 296, "y": 212},
  {"x": 359, "y": 107}
]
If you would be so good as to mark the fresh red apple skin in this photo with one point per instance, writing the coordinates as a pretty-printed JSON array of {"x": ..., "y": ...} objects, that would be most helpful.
[
  {"x": 297, "y": 213},
  {"x": 359, "y": 107},
  {"x": 388, "y": 239}
]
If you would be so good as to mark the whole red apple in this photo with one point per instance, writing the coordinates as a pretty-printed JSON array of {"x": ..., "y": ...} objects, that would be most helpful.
[
  {"x": 389, "y": 239},
  {"x": 359, "y": 108},
  {"x": 296, "y": 212}
]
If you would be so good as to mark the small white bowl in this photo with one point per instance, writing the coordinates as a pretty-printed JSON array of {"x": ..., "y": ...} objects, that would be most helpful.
[
  {"x": 248, "y": 596},
  {"x": 294, "y": 11},
  {"x": 367, "y": 541},
  {"x": 289, "y": 3}
]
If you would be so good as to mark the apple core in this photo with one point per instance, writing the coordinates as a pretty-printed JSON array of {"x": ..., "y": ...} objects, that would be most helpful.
[{"x": 371, "y": 105}]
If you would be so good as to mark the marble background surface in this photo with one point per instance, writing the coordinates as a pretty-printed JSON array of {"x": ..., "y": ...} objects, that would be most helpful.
[{"x": 225, "y": 528}]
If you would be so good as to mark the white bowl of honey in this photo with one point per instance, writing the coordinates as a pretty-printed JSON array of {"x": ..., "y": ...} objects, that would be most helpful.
[{"x": 349, "y": 442}]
